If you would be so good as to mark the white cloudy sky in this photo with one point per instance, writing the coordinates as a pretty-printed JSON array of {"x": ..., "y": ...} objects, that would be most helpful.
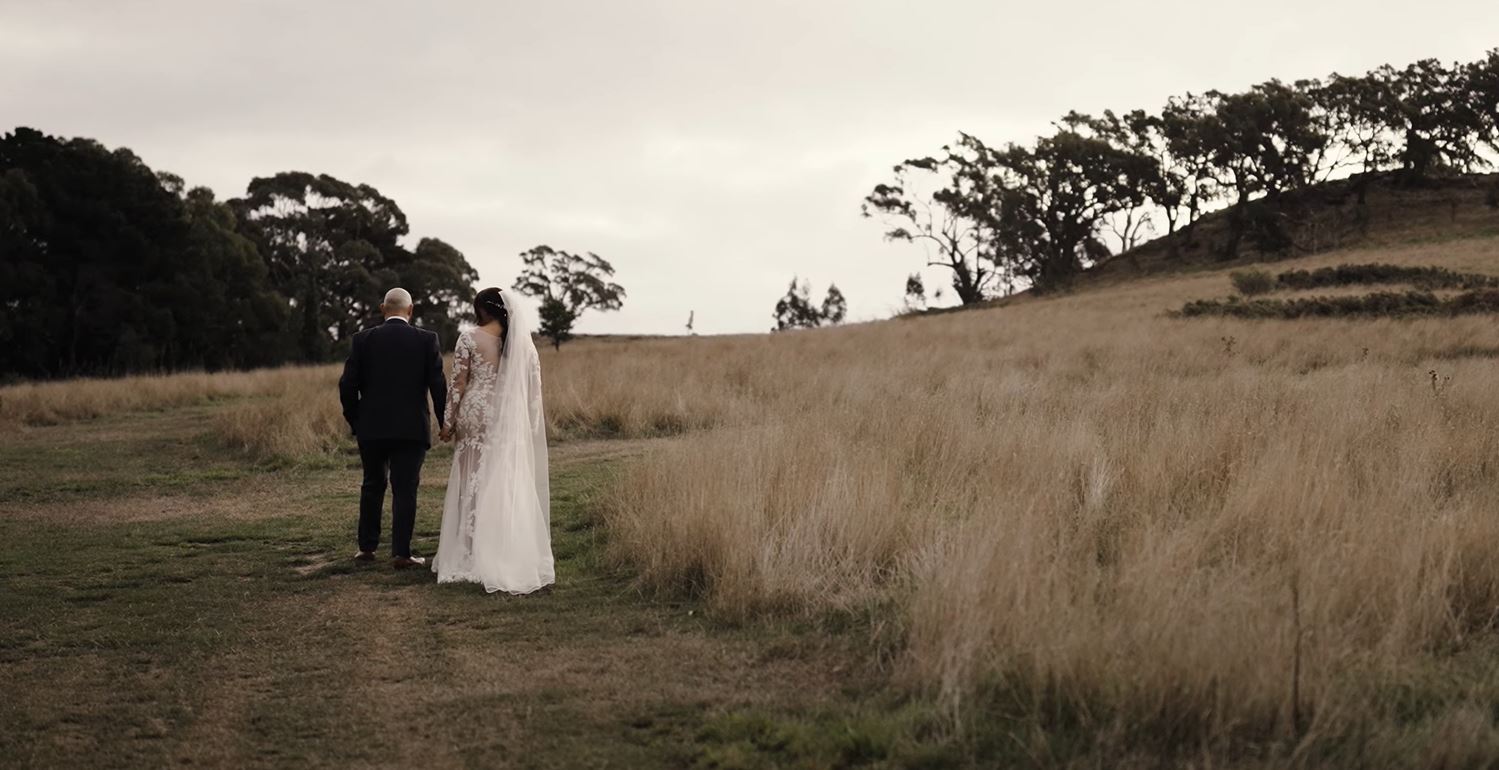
[{"x": 710, "y": 149}]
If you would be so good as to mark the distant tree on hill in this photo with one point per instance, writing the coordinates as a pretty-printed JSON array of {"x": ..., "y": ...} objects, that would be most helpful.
[
  {"x": 111, "y": 268},
  {"x": 796, "y": 310},
  {"x": 1264, "y": 141},
  {"x": 333, "y": 248},
  {"x": 1428, "y": 106},
  {"x": 1057, "y": 194},
  {"x": 567, "y": 284},
  {"x": 957, "y": 220},
  {"x": 1359, "y": 106},
  {"x": 1185, "y": 129},
  {"x": 915, "y": 293},
  {"x": 1035, "y": 212},
  {"x": 557, "y": 321},
  {"x": 1159, "y": 181},
  {"x": 834, "y": 306},
  {"x": 1482, "y": 79}
]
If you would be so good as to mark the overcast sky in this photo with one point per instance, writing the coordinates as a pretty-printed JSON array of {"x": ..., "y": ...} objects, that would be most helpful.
[{"x": 709, "y": 149}]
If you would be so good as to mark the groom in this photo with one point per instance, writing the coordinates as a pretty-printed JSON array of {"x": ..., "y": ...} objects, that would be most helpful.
[{"x": 391, "y": 370}]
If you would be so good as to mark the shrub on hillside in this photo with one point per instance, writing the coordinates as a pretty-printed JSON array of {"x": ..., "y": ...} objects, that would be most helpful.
[
  {"x": 1252, "y": 282},
  {"x": 1383, "y": 304},
  {"x": 1423, "y": 277}
]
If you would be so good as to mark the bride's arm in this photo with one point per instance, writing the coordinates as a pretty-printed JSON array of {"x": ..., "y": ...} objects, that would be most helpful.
[{"x": 463, "y": 355}]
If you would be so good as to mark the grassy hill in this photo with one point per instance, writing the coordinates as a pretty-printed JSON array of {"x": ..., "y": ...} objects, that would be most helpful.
[
  {"x": 1073, "y": 531},
  {"x": 1371, "y": 212}
]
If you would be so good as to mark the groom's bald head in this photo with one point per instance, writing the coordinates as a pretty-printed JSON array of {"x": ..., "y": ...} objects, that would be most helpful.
[{"x": 397, "y": 303}]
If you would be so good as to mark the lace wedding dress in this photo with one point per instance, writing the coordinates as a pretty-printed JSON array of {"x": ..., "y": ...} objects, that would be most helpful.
[{"x": 496, "y": 519}]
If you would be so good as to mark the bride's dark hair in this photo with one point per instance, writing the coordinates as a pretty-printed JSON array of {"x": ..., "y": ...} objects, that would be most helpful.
[{"x": 489, "y": 305}]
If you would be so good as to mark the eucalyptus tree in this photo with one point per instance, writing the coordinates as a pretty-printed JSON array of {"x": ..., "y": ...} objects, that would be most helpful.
[
  {"x": 1057, "y": 194},
  {"x": 950, "y": 204},
  {"x": 1482, "y": 80},
  {"x": 1267, "y": 140},
  {"x": 1185, "y": 127},
  {"x": 1428, "y": 107},
  {"x": 567, "y": 284},
  {"x": 332, "y": 249},
  {"x": 796, "y": 310}
]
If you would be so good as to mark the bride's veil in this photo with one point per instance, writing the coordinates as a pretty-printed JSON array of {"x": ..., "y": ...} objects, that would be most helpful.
[{"x": 512, "y": 528}]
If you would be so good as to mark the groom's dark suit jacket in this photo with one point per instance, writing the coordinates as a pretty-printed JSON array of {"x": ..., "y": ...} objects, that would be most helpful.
[{"x": 391, "y": 370}]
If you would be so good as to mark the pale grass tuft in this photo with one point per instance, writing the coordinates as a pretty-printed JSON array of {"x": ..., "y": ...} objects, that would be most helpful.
[{"x": 299, "y": 415}]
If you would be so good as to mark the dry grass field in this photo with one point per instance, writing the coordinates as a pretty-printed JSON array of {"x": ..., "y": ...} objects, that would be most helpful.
[
  {"x": 1085, "y": 532},
  {"x": 1226, "y": 537}
]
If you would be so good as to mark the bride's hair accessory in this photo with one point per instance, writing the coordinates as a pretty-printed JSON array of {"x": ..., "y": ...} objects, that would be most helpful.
[{"x": 491, "y": 303}]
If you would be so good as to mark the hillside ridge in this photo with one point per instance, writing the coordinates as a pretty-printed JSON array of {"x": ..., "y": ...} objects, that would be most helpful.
[{"x": 1354, "y": 212}]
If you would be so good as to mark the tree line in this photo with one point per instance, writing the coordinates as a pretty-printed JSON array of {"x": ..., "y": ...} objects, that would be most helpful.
[
  {"x": 110, "y": 267},
  {"x": 1003, "y": 217}
]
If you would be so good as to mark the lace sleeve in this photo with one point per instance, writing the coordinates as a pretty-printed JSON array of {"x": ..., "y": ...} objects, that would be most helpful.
[{"x": 463, "y": 360}]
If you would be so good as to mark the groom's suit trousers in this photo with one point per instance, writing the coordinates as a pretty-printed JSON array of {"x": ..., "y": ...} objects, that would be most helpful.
[{"x": 401, "y": 463}]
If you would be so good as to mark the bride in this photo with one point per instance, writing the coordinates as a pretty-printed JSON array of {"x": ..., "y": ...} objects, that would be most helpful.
[{"x": 496, "y": 520}]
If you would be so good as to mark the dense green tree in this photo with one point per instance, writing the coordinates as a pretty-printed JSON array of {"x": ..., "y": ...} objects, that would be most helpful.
[
  {"x": 241, "y": 320},
  {"x": 333, "y": 248},
  {"x": 557, "y": 320},
  {"x": 1428, "y": 107},
  {"x": 111, "y": 268},
  {"x": 439, "y": 279},
  {"x": 1482, "y": 81},
  {"x": 1267, "y": 140},
  {"x": 115, "y": 268},
  {"x": 1058, "y": 193},
  {"x": 567, "y": 284},
  {"x": 25, "y": 339}
]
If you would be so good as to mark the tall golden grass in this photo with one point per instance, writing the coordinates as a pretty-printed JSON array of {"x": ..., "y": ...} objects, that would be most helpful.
[
  {"x": 1209, "y": 531},
  {"x": 50, "y": 403},
  {"x": 591, "y": 390},
  {"x": 272, "y": 413}
]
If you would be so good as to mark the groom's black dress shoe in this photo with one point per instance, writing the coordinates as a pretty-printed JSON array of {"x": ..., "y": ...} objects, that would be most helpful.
[
  {"x": 402, "y": 562},
  {"x": 364, "y": 556}
]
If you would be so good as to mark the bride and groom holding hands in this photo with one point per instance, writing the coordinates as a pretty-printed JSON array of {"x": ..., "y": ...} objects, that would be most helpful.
[{"x": 496, "y": 518}]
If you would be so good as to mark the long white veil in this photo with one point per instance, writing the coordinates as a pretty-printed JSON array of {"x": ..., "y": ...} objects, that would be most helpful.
[{"x": 512, "y": 526}]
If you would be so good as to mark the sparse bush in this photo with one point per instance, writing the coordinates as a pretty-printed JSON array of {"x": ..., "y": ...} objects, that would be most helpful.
[
  {"x": 1420, "y": 276},
  {"x": 1252, "y": 282},
  {"x": 1384, "y": 304},
  {"x": 1481, "y": 295}
]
